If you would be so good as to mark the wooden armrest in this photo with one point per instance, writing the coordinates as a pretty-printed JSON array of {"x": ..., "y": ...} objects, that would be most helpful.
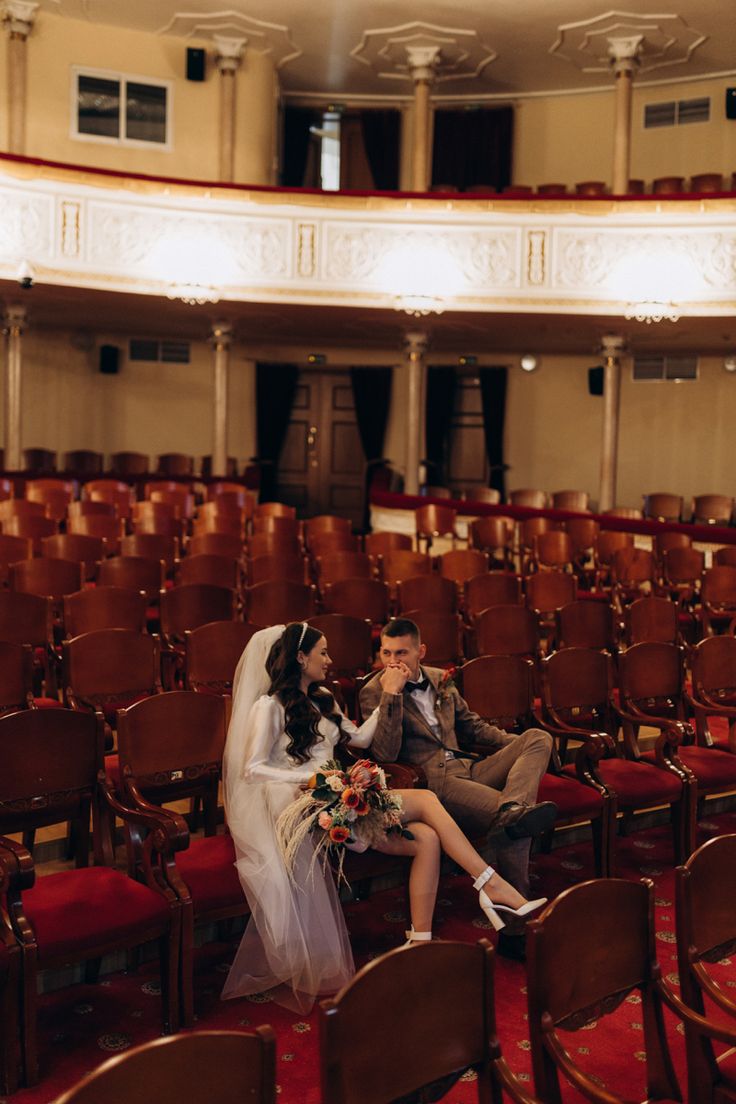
[
  {"x": 510, "y": 1083},
  {"x": 709, "y": 705},
  {"x": 168, "y": 830},
  {"x": 17, "y": 870},
  {"x": 702, "y": 1025}
]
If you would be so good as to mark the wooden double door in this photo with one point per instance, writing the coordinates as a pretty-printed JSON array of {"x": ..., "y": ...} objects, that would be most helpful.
[{"x": 322, "y": 464}]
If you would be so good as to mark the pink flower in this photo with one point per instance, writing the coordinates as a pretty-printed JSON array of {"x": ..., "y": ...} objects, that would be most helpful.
[{"x": 324, "y": 820}]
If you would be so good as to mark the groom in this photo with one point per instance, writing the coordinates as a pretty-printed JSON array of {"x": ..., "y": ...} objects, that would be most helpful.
[{"x": 424, "y": 720}]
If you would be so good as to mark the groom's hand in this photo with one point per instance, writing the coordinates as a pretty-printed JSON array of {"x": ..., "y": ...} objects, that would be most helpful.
[{"x": 394, "y": 676}]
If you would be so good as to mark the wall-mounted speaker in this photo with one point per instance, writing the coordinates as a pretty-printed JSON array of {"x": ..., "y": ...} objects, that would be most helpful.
[
  {"x": 109, "y": 360},
  {"x": 196, "y": 58},
  {"x": 595, "y": 381}
]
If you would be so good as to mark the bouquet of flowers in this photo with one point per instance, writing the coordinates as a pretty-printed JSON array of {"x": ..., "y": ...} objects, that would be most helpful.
[{"x": 340, "y": 808}]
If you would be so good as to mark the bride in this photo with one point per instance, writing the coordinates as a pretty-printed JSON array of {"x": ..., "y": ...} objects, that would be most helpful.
[{"x": 285, "y": 724}]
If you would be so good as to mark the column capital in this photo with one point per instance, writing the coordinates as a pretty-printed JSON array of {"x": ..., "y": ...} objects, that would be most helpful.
[
  {"x": 613, "y": 345},
  {"x": 416, "y": 342},
  {"x": 14, "y": 320},
  {"x": 229, "y": 52},
  {"x": 221, "y": 335},
  {"x": 19, "y": 16},
  {"x": 624, "y": 51},
  {"x": 423, "y": 62}
]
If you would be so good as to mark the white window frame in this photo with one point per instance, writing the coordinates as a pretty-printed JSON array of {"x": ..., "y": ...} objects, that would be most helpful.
[{"x": 78, "y": 71}]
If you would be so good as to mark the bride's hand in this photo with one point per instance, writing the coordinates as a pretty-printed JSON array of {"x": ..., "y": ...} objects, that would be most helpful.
[{"x": 394, "y": 678}]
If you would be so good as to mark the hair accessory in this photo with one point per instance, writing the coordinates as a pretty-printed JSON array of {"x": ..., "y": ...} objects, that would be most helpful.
[{"x": 305, "y": 626}]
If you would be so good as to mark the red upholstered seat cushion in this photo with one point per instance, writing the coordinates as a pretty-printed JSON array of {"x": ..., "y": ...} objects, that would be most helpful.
[
  {"x": 75, "y": 912},
  {"x": 208, "y": 869},
  {"x": 112, "y": 770},
  {"x": 572, "y": 798},
  {"x": 637, "y": 784},
  {"x": 713, "y": 768},
  {"x": 47, "y": 703}
]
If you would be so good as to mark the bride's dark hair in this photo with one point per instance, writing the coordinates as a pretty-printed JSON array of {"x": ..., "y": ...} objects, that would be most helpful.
[{"x": 285, "y": 673}]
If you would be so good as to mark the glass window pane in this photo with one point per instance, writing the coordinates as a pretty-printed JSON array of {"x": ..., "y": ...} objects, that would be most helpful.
[
  {"x": 145, "y": 112},
  {"x": 98, "y": 106}
]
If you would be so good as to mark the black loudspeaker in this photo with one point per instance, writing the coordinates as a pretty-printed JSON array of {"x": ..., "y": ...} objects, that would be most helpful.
[
  {"x": 595, "y": 381},
  {"x": 109, "y": 357},
  {"x": 195, "y": 63}
]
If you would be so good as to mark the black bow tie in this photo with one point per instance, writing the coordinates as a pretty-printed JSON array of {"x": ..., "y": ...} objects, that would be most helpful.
[{"x": 410, "y": 687}]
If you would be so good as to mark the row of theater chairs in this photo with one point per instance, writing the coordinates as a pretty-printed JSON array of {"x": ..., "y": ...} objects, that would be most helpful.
[
  {"x": 569, "y": 981},
  {"x": 170, "y": 746},
  {"x": 704, "y": 509},
  {"x": 87, "y": 462}
]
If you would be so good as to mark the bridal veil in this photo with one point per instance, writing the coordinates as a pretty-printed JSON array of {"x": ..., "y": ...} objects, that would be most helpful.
[{"x": 296, "y": 943}]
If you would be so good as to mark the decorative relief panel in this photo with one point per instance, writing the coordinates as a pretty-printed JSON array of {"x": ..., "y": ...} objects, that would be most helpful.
[
  {"x": 234, "y": 246},
  {"x": 485, "y": 258},
  {"x": 584, "y": 259},
  {"x": 26, "y": 228}
]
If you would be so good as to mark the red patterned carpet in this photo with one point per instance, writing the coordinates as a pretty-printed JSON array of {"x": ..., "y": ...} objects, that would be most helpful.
[{"x": 82, "y": 1025}]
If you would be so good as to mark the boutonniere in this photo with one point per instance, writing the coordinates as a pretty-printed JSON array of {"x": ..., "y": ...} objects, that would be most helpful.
[{"x": 445, "y": 686}]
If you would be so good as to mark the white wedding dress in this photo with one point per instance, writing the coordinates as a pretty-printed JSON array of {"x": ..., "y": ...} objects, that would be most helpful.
[{"x": 296, "y": 943}]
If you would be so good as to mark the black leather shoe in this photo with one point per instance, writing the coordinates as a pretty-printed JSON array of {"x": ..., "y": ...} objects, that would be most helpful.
[
  {"x": 529, "y": 820},
  {"x": 512, "y": 947}
]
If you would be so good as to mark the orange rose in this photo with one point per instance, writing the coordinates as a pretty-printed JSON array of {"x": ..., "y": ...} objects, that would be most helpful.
[{"x": 339, "y": 834}]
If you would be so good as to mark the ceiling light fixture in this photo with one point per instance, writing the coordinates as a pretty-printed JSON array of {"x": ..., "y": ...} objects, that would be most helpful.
[
  {"x": 419, "y": 306},
  {"x": 528, "y": 363},
  {"x": 652, "y": 310},
  {"x": 193, "y": 294}
]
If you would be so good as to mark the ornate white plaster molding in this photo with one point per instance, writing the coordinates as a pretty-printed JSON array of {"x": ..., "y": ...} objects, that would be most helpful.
[
  {"x": 266, "y": 38},
  {"x": 271, "y": 246},
  {"x": 457, "y": 52},
  {"x": 18, "y": 16},
  {"x": 664, "y": 39}
]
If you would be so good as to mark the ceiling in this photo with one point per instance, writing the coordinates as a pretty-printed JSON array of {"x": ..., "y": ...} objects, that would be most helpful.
[
  {"x": 510, "y": 43},
  {"x": 317, "y": 329}
]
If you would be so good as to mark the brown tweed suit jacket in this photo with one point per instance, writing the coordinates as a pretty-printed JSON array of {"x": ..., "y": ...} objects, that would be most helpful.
[{"x": 403, "y": 733}]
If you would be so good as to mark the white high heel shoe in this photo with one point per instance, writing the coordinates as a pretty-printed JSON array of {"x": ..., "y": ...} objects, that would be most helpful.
[
  {"x": 492, "y": 908},
  {"x": 417, "y": 937}
]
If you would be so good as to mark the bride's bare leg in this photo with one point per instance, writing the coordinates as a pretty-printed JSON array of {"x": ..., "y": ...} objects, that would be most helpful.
[
  {"x": 425, "y": 870},
  {"x": 424, "y": 806}
]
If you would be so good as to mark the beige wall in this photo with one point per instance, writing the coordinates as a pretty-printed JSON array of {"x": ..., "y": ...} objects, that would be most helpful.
[
  {"x": 56, "y": 44},
  {"x": 673, "y": 436},
  {"x": 569, "y": 138},
  {"x": 150, "y": 408}
]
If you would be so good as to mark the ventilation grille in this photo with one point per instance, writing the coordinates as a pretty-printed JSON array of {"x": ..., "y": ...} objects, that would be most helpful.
[
  {"x": 159, "y": 352},
  {"x": 665, "y": 368},
  {"x": 676, "y": 113}
]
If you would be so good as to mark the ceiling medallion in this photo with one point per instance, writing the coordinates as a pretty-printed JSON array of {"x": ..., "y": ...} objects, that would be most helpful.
[
  {"x": 265, "y": 38},
  {"x": 460, "y": 52},
  {"x": 665, "y": 39}
]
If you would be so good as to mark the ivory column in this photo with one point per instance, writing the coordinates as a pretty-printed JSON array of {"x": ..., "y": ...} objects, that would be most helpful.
[
  {"x": 13, "y": 325},
  {"x": 422, "y": 64},
  {"x": 624, "y": 60},
  {"x": 612, "y": 346},
  {"x": 416, "y": 347},
  {"x": 222, "y": 336},
  {"x": 229, "y": 56},
  {"x": 19, "y": 16}
]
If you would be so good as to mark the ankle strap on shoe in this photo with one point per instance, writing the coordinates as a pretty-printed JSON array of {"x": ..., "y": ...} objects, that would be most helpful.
[
  {"x": 486, "y": 876},
  {"x": 418, "y": 937}
]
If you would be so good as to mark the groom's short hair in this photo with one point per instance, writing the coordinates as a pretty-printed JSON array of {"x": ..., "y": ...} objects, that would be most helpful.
[{"x": 402, "y": 626}]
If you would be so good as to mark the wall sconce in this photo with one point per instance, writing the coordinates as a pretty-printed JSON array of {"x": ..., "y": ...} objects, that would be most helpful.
[{"x": 528, "y": 362}]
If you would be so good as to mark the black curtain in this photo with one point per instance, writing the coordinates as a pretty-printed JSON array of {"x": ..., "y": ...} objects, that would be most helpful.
[
  {"x": 275, "y": 390},
  {"x": 493, "y": 382},
  {"x": 381, "y": 141},
  {"x": 441, "y": 383},
  {"x": 372, "y": 397},
  {"x": 473, "y": 146},
  {"x": 297, "y": 121}
]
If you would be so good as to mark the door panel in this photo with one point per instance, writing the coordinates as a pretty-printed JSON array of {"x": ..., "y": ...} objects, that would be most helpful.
[
  {"x": 468, "y": 461},
  {"x": 322, "y": 464}
]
